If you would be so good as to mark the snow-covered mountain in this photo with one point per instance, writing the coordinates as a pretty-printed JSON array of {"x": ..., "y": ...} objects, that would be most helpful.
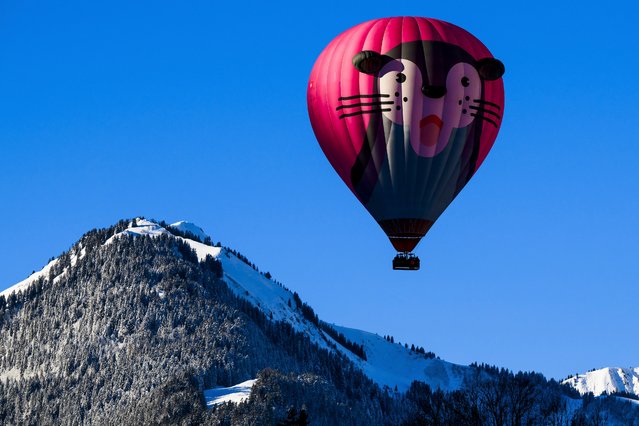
[
  {"x": 387, "y": 364},
  {"x": 146, "y": 323},
  {"x": 608, "y": 380}
]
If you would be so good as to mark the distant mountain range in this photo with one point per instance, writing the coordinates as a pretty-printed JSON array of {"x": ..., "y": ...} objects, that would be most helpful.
[{"x": 146, "y": 322}]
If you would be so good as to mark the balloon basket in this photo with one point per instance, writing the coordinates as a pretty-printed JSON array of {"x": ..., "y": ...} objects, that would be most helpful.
[{"x": 406, "y": 262}]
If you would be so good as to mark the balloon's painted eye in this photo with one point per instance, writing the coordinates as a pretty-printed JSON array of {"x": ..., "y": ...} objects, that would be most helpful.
[
  {"x": 401, "y": 77},
  {"x": 465, "y": 81}
]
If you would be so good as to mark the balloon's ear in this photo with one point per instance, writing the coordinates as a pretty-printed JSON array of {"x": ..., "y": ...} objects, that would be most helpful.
[
  {"x": 490, "y": 68},
  {"x": 368, "y": 62}
]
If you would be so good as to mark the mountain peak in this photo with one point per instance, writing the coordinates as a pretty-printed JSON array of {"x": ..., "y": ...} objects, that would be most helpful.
[
  {"x": 190, "y": 227},
  {"x": 389, "y": 364},
  {"x": 606, "y": 380}
]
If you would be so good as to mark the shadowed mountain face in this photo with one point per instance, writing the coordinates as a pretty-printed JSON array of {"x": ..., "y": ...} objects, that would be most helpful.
[{"x": 136, "y": 322}]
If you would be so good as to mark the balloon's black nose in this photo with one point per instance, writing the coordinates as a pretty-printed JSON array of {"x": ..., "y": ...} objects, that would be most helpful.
[{"x": 434, "y": 92}]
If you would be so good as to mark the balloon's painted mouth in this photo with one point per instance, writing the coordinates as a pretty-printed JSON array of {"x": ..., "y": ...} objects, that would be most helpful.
[
  {"x": 429, "y": 127},
  {"x": 431, "y": 119}
]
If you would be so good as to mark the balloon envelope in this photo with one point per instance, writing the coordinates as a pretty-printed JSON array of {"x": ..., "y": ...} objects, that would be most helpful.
[{"x": 406, "y": 110}]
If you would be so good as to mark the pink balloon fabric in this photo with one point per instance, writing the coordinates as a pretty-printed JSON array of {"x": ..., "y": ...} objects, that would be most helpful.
[{"x": 406, "y": 109}]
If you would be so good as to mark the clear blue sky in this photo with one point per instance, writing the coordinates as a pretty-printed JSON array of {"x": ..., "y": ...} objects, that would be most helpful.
[{"x": 198, "y": 112}]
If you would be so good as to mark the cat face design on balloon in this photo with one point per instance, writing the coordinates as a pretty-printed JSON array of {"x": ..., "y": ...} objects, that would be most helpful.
[{"x": 430, "y": 89}]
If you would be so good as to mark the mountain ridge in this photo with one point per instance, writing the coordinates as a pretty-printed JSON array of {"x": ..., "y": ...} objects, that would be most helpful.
[
  {"x": 247, "y": 282},
  {"x": 142, "y": 322},
  {"x": 396, "y": 366},
  {"x": 134, "y": 332}
]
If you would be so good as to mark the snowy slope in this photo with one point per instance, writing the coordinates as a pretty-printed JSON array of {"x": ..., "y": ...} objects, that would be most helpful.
[
  {"x": 237, "y": 393},
  {"x": 43, "y": 273},
  {"x": 392, "y": 364},
  {"x": 185, "y": 226},
  {"x": 388, "y": 364},
  {"x": 606, "y": 380},
  {"x": 270, "y": 297},
  {"x": 24, "y": 284}
]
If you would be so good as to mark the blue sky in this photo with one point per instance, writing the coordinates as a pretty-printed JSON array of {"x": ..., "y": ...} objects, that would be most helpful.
[{"x": 198, "y": 112}]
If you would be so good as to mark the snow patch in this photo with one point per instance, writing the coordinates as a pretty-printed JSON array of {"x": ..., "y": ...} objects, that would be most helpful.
[
  {"x": 13, "y": 373},
  {"x": 142, "y": 227},
  {"x": 236, "y": 394}
]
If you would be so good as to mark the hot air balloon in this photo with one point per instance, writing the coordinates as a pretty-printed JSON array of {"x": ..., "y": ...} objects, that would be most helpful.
[{"x": 406, "y": 110}]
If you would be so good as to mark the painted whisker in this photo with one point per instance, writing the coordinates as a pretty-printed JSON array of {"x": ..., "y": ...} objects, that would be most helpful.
[
  {"x": 485, "y": 111},
  {"x": 481, "y": 101},
  {"x": 370, "y": 111},
  {"x": 374, "y": 95},
  {"x": 365, "y": 104},
  {"x": 485, "y": 118}
]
